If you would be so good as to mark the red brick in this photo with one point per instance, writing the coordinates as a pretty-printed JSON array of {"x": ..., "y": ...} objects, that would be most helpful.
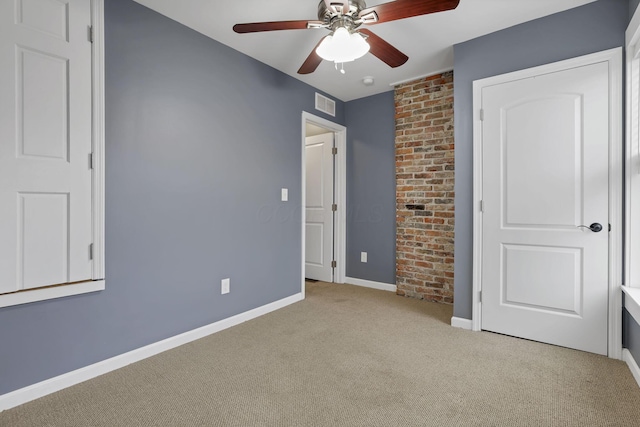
[{"x": 425, "y": 175}]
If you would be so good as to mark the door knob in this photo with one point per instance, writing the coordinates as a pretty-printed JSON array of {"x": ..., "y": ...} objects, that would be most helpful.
[{"x": 596, "y": 227}]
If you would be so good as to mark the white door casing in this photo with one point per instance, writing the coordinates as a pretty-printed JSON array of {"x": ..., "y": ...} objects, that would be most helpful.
[
  {"x": 544, "y": 165},
  {"x": 319, "y": 198},
  {"x": 45, "y": 143},
  {"x": 340, "y": 240}
]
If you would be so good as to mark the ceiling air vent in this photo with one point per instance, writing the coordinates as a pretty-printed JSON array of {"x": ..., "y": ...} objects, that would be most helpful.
[{"x": 325, "y": 105}]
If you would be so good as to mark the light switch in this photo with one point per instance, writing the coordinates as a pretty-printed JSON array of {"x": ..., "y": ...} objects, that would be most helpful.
[
  {"x": 285, "y": 194},
  {"x": 363, "y": 257}
]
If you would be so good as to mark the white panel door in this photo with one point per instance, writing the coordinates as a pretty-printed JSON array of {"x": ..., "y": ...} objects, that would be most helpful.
[
  {"x": 45, "y": 143},
  {"x": 545, "y": 162},
  {"x": 318, "y": 203}
]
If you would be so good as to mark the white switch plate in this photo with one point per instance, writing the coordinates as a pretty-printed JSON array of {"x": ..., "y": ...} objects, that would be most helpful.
[
  {"x": 363, "y": 257},
  {"x": 225, "y": 286},
  {"x": 285, "y": 194}
]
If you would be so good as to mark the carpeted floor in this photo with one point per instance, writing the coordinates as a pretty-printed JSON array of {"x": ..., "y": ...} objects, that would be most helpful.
[{"x": 350, "y": 356}]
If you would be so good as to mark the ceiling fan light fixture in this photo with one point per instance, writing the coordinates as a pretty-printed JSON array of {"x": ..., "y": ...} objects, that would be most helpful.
[{"x": 342, "y": 46}]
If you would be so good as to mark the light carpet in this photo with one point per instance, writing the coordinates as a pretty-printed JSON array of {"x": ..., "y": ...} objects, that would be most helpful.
[{"x": 350, "y": 356}]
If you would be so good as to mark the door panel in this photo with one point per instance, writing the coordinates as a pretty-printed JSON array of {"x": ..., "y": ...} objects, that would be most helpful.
[
  {"x": 531, "y": 131},
  {"x": 44, "y": 239},
  {"x": 43, "y": 112},
  {"x": 315, "y": 245},
  {"x": 545, "y": 162},
  {"x": 316, "y": 179},
  {"x": 542, "y": 277},
  {"x": 49, "y": 16},
  {"x": 318, "y": 202},
  {"x": 45, "y": 143}
]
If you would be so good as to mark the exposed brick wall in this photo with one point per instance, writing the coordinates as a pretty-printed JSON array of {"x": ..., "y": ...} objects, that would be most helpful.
[{"x": 425, "y": 188}]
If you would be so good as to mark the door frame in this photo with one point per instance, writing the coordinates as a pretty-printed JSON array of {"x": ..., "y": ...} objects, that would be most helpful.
[
  {"x": 614, "y": 58},
  {"x": 340, "y": 194},
  {"x": 98, "y": 143}
]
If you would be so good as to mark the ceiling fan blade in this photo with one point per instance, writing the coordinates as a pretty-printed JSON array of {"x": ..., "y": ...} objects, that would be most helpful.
[
  {"x": 257, "y": 27},
  {"x": 311, "y": 63},
  {"x": 384, "y": 51},
  {"x": 401, "y": 9}
]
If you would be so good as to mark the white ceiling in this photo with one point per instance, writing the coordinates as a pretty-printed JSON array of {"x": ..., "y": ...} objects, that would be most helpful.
[{"x": 427, "y": 40}]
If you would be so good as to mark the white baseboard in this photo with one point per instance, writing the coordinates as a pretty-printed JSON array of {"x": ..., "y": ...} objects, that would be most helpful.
[
  {"x": 35, "y": 391},
  {"x": 370, "y": 284},
  {"x": 459, "y": 322},
  {"x": 631, "y": 363}
]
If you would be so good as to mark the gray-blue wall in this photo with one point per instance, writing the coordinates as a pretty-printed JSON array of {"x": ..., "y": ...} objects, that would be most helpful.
[
  {"x": 591, "y": 28},
  {"x": 199, "y": 141},
  {"x": 633, "y": 5},
  {"x": 371, "y": 188}
]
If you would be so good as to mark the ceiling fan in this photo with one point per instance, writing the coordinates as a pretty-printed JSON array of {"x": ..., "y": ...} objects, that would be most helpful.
[{"x": 347, "y": 40}]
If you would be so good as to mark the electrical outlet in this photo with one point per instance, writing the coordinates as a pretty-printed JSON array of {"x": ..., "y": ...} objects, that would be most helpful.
[
  {"x": 285, "y": 195},
  {"x": 363, "y": 257},
  {"x": 225, "y": 286}
]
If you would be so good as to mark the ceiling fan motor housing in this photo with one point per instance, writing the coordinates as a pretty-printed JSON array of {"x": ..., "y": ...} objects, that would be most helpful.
[{"x": 332, "y": 19}]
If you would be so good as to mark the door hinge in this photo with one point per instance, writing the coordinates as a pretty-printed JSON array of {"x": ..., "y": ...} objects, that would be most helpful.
[
  {"x": 91, "y": 251},
  {"x": 481, "y": 205},
  {"x": 91, "y": 163},
  {"x": 482, "y": 114},
  {"x": 479, "y": 296},
  {"x": 609, "y": 228},
  {"x": 334, "y": 207},
  {"x": 334, "y": 150},
  {"x": 90, "y": 33},
  {"x": 334, "y": 264}
]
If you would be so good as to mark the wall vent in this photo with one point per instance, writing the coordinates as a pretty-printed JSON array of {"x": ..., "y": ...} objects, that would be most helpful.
[{"x": 325, "y": 105}]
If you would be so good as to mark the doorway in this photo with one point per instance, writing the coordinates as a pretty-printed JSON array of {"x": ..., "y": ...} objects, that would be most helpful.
[
  {"x": 319, "y": 204},
  {"x": 323, "y": 199}
]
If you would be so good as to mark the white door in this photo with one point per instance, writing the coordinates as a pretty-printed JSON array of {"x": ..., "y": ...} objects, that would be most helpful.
[
  {"x": 545, "y": 173},
  {"x": 318, "y": 203},
  {"x": 45, "y": 143}
]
